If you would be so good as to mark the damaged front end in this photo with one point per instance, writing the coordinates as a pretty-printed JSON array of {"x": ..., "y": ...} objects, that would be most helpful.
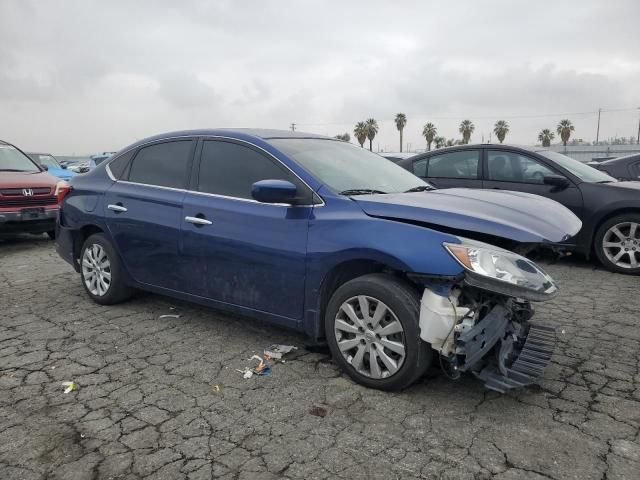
[{"x": 480, "y": 323}]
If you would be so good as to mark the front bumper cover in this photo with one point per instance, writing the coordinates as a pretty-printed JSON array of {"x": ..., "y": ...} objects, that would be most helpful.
[{"x": 521, "y": 350}]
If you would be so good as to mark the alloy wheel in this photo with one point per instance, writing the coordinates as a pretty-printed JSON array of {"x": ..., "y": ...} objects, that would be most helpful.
[
  {"x": 621, "y": 245},
  {"x": 370, "y": 337},
  {"x": 96, "y": 270}
]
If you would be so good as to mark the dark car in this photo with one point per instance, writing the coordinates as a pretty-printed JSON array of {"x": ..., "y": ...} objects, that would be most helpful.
[
  {"x": 609, "y": 209},
  {"x": 622, "y": 168},
  {"x": 395, "y": 157},
  {"x": 284, "y": 226},
  {"x": 29, "y": 196}
]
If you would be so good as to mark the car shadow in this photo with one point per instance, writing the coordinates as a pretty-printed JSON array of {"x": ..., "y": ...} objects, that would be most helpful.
[{"x": 23, "y": 241}]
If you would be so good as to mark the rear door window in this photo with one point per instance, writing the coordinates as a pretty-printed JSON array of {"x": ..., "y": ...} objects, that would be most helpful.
[
  {"x": 163, "y": 164},
  {"x": 463, "y": 164},
  {"x": 420, "y": 167},
  {"x": 118, "y": 166}
]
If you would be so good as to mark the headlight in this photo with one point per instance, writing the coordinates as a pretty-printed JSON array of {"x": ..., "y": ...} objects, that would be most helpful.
[{"x": 492, "y": 268}]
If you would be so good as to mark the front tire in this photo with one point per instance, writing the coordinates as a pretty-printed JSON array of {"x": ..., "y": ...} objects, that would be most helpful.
[
  {"x": 617, "y": 244},
  {"x": 372, "y": 329},
  {"x": 101, "y": 271}
]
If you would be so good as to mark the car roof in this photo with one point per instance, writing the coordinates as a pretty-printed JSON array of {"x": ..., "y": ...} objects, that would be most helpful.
[
  {"x": 402, "y": 155},
  {"x": 624, "y": 159},
  {"x": 494, "y": 146}
]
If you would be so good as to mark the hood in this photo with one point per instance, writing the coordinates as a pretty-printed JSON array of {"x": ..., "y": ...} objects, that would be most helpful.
[
  {"x": 27, "y": 179},
  {"x": 522, "y": 217}
]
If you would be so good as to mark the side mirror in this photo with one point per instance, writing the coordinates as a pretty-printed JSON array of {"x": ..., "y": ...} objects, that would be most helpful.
[
  {"x": 64, "y": 167},
  {"x": 556, "y": 181},
  {"x": 274, "y": 191},
  {"x": 45, "y": 168}
]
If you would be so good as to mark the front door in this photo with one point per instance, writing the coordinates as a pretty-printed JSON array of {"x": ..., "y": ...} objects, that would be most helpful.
[
  {"x": 240, "y": 251},
  {"x": 143, "y": 212},
  {"x": 505, "y": 170}
]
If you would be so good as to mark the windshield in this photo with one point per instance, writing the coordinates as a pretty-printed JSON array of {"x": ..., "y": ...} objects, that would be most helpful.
[
  {"x": 343, "y": 166},
  {"x": 47, "y": 160},
  {"x": 13, "y": 160},
  {"x": 581, "y": 170}
]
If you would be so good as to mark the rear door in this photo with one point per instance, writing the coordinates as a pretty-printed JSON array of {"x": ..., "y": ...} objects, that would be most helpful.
[
  {"x": 237, "y": 250},
  {"x": 511, "y": 170},
  {"x": 143, "y": 211},
  {"x": 459, "y": 168}
]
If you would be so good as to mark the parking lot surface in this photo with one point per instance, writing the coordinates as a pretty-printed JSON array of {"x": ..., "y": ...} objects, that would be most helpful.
[{"x": 161, "y": 397}]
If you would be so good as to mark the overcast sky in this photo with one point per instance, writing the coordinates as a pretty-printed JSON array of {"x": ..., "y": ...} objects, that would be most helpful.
[{"x": 82, "y": 76}]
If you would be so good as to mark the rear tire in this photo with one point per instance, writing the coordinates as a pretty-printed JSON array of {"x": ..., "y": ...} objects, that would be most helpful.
[
  {"x": 101, "y": 271},
  {"x": 372, "y": 329},
  {"x": 617, "y": 244}
]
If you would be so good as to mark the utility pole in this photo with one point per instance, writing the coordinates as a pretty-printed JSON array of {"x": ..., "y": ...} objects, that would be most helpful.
[
  {"x": 598, "y": 130},
  {"x": 293, "y": 127}
]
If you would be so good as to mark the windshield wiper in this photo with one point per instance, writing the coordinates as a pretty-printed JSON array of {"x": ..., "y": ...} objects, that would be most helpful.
[
  {"x": 360, "y": 191},
  {"x": 420, "y": 188},
  {"x": 13, "y": 170}
]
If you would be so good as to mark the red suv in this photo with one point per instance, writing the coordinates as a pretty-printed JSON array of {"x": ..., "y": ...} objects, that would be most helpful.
[{"x": 29, "y": 196}]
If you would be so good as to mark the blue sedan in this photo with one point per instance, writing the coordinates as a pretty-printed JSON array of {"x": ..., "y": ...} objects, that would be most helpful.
[{"x": 324, "y": 237}]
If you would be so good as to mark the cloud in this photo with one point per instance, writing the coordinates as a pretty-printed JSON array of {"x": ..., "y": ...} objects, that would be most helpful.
[{"x": 112, "y": 72}]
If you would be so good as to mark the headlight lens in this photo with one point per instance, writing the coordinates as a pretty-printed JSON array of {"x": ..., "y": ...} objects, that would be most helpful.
[{"x": 503, "y": 267}]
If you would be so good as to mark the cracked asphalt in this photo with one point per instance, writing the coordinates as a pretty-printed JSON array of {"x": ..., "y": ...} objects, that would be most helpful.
[{"x": 146, "y": 403}]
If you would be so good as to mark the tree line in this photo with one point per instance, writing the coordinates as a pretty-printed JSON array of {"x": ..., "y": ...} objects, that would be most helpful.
[{"x": 368, "y": 129}]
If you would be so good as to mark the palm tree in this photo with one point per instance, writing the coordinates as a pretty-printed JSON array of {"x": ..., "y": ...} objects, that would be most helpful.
[
  {"x": 372, "y": 129},
  {"x": 545, "y": 136},
  {"x": 360, "y": 132},
  {"x": 429, "y": 133},
  {"x": 501, "y": 128},
  {"x": 451, "y": 142},
  {"x": 440, "y": 141},
  {"x": 466, "y": 129},
  {"x": 401, "y": 121},
  {"x": 564, "y": 129}
]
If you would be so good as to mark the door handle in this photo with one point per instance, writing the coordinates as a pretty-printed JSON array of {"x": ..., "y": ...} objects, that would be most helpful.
[
  {"x": 197, "y": 220},
  {"x": 116, "y": 208}
]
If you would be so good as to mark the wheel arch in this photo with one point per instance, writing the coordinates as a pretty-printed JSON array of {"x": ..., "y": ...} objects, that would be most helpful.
[
  {"x": 338, "y": 275},
  {"x": 606, "y": 217}
]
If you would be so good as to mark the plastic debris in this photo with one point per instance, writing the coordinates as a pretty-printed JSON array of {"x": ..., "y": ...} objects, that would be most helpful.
[
  {"x": 168, "y": 315},
  {"x": 248, "y": 373},
  {"x": 278, "y": 351},
  {"x": 263, "y": 368},
  {"x": 70, "y": 386},
  {"x": 216, "y": 389}
]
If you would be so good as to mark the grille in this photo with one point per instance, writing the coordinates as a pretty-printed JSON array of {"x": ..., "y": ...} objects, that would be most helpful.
[
  {"x": 27, "y": 201},
  {"x": 18, "y": 191}
]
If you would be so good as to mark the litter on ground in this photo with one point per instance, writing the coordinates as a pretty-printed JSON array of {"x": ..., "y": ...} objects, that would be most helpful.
[
  {"x": 278, "y": 351},
  {"x": 273, "y": 353},
  {"x": 70, "y": 386},
  {"x": 169, "y": 315}
]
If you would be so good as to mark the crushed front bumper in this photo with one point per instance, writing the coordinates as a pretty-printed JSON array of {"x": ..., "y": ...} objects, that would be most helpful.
[
  {"x": 520, "y": 364},
  {"x": 499, "y": 346}
]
